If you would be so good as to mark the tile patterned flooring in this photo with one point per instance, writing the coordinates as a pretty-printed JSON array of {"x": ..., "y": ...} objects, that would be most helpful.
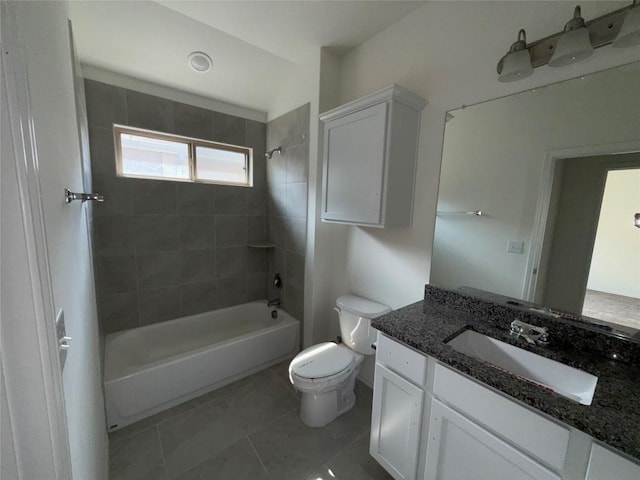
[{"x": 247, "y": 430}]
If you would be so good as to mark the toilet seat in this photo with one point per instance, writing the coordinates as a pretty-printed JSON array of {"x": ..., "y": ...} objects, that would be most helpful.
[
  {"x": 321, "y": 361},
  {"x": 323, "y": 368}
]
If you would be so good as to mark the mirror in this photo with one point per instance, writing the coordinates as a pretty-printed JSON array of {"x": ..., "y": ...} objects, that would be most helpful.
[{"x": 537, "y": 198}]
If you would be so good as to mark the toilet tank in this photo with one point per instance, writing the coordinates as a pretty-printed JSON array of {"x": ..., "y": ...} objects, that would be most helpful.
[{"x": 355, "y": 322}]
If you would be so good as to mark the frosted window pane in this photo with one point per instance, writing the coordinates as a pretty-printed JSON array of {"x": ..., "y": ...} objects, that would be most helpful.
[
  {"x": 151, "y": 157},
  {"x": 221, "y": 165}
]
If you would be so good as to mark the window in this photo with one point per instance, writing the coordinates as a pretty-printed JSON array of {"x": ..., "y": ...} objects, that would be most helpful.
[{"x": 147, "y": 154}]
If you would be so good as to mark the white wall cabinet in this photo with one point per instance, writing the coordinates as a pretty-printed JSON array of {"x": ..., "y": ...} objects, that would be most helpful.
[
  {"x": 470, "y": 431},
  {"x": 370, "y": 156}
]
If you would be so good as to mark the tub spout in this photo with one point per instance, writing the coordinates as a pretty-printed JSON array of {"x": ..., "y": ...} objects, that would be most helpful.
[{"x": 273, "y": 303}]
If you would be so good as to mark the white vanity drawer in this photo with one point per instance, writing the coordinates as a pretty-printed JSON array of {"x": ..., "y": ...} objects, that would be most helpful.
[
  {"x": 402, "y": 360},
  {"x": 528, "y": 430}
]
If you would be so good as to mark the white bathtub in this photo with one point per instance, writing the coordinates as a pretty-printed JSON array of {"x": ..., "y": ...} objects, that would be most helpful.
[{"x": 155, "y": 367}]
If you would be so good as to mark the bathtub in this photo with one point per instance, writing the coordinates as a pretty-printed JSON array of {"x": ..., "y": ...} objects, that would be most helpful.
[{"x": 155, "y": 367}]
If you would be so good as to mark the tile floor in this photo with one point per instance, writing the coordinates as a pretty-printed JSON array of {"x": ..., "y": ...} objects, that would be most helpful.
[
  {"x": 612, "y": 308},
  {"x": 247, "y": 430}
]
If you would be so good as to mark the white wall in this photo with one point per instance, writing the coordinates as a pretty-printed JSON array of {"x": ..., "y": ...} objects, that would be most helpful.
[
  {"x": 445, "y": 52},
  {"x": 434, "y": 52},
  {"x": 615, "y": 264},
  {"x": 45, "y": 30}
]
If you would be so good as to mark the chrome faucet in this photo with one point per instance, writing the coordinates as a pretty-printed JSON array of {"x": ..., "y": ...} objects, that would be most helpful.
[
  {"x": 531, "y": 333},
  {"x": 273, "y": 303}
]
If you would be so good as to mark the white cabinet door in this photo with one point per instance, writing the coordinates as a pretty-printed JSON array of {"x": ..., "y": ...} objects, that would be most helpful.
[
  {"x": 607, "y": 465},
  {"x": 354, "y": 166},
  {"x": 458, "y": 449},
  {"x": 395, "y": 423}
]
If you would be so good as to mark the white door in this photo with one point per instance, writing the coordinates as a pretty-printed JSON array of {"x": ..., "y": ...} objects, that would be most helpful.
[
  {"x": 33, "y": 425},
  {"x": 35, "y": 35},
  {"x": 458, "y": 449},
  {"x": 395, "y": 423}
]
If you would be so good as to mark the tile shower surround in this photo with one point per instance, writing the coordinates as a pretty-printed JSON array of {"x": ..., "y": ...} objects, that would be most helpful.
[
  {"x": 286, "y": 178},
  {"x": 167, "y": 249}
]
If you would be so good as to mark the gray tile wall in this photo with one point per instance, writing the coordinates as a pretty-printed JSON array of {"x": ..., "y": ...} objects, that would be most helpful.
[
  {"x": 168, "y": 249},
  {"x": 287, "y": 176}
]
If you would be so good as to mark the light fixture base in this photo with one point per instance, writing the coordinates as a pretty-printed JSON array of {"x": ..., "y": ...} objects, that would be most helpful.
[{"x": 629, "y": 34}]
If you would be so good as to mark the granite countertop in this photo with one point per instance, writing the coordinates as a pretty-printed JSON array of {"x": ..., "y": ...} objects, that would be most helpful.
[{"x": 614, "y": 415}]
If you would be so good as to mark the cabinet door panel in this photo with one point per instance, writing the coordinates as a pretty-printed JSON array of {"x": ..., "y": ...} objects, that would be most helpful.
[
  {"x": 354, "y": 166},
  {"x": 458, "y": 449},
  {"x": 395, "y": 423},
  {"x": 607, "y": 465}
]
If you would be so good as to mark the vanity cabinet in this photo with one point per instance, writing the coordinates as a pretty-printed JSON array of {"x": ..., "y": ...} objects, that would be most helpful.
[
  {"x": 397, "y": 414},
  {"x": 458, "y": 448},
  {"x": 370, "y": 155},
  {"x": 397, "y": 408},
  {"x": 488, "y": 435},
  {"x": 431, "y": 422}
]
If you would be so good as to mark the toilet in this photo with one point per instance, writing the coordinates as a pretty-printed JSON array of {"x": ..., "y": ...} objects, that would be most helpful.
[{"x": 325, "y": 373}]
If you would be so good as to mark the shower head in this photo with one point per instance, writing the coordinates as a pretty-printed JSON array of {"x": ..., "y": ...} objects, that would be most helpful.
[{"x": 270, "y": 153}]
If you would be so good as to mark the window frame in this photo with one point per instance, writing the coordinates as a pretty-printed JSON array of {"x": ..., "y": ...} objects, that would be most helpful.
[{"x": 191, "y": 143}]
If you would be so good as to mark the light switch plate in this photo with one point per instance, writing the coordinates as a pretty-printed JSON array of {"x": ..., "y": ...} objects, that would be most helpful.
[{"x": 515, "y": 246}]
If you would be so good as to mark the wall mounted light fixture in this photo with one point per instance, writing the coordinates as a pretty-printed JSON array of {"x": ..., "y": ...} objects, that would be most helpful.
[
  {"x": 517, "y": 63},
  {"x": 576, "y": 42},
  {"x": 636, "y": 220}
]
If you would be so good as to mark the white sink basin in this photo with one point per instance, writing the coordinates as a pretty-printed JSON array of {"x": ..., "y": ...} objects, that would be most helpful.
[{"x": 554, "y": 376}]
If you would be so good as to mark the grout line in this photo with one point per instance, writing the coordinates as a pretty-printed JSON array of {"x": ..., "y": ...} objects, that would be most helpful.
[
  {"x": 257, "y": 455},
  {"x": 162, "y": 456},
  {"x": 275, "y": 419},
  {"x": 345, "y": 448}
]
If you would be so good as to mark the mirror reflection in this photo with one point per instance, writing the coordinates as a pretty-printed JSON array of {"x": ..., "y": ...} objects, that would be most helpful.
[{"x": 555, "y": 174}]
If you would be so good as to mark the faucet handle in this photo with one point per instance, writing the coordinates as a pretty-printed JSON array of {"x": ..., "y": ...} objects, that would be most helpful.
[
  {"x": 531, "y": 333},
  {"x": 543, "y": 339},
  {"x": 517, "y": 327}
]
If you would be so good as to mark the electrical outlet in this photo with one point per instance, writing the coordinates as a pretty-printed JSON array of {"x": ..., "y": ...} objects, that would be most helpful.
[{"x": 515, "y": 246}]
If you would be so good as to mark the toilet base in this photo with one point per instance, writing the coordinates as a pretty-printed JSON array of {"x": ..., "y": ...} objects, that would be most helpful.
[{"x": 318, "y": 410}]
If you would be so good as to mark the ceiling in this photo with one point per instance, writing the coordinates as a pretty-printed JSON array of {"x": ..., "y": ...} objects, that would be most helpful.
[{"x": 254, "y": 44}]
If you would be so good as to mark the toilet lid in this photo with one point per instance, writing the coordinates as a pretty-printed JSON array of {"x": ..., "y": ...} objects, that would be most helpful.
[{"x": 322, "y": 360}]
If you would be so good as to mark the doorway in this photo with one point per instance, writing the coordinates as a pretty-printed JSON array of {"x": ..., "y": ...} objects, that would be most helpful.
[
  {"x": 613, "y": 285},
  {"x": 570, "y": 234}
]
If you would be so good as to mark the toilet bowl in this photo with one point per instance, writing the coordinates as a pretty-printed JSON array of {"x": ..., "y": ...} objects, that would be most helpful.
[{"x": 325, "y": 373}]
